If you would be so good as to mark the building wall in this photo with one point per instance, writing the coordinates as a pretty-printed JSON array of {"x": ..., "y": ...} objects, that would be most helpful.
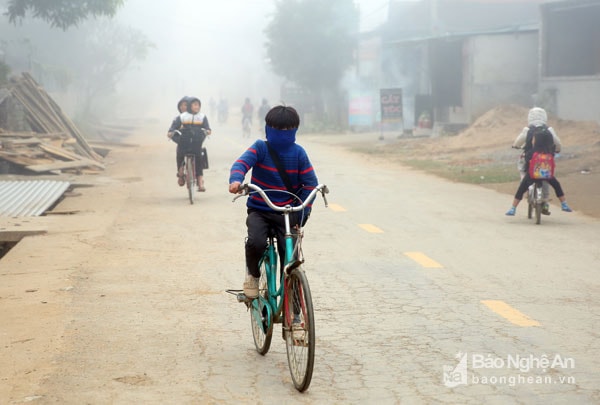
[
  {"x": 575, "y": 99},
  {"x": 499, "y": 68}
]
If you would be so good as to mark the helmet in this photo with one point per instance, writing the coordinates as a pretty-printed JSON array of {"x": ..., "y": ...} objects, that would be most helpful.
[{"x": 537, "y": 117}]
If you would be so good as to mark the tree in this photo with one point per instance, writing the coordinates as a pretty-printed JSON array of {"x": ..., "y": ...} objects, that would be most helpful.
[
  {"x": 61, "y": 13},
  {"x": 111, "y": 50},
  {"x": 4, "y": 72},
  {"x": 312, "y": 43}
]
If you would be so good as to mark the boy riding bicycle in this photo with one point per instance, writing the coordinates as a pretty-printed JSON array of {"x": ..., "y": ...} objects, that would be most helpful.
[
  {"x": 279, "y": 154},
  {"x": 193, "y": 127}
]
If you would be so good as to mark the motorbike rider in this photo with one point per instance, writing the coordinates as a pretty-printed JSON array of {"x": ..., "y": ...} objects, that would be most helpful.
[
  {"x": 542, "y": 141},
  {"x": 536, "y": 117}
]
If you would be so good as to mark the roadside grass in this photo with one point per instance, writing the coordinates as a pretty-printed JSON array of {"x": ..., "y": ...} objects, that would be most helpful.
[
  {"x": 473, "y": 171},
  {"x": 483, "y": 173}
]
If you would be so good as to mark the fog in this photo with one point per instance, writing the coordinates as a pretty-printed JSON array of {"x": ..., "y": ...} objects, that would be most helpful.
[
  {"x": 210, "y": 49},
  {"x": 201, "y": 50}
]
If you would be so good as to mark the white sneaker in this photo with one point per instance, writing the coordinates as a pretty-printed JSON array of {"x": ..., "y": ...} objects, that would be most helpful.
[
  {"x": 251, "y": 286},
  {"x": 298, "y": 332}
]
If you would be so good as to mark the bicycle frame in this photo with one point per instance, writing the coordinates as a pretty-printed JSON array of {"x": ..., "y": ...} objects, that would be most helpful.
[
  {"x": 275, "y": 296},
  {"x": 288, "y": 302},
  {"x": 275, "y": 301}
]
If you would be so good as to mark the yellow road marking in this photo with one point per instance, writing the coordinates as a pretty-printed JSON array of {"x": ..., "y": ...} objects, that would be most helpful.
[
  {"x": 423, "y": 260},
  {"x": 338, "y": 208},
  {"x": 509, "y": 313},
  {"x": 370, "y": 228}
]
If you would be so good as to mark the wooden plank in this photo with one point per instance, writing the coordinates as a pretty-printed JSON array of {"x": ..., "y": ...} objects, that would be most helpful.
[
  {"x": 65, "y": 165},
  {"x": 33, "y": 119},
  {"x": 60, "y": 152},
  {"x": 58, "y": 115},
  {"x": 46, "y": 116},
  {"x": 75, "y": 132},
  {"x": 18, "y": 159},
  {"x": 25, "y": 141},
  {"x": 17, "y": 134}
]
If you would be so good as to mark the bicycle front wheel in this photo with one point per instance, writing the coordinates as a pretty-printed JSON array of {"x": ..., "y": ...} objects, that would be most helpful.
[
  {"x": 300, "y": 328},
  {"x": 190, "y": 177},
  {"x": 261, "y": 315}
]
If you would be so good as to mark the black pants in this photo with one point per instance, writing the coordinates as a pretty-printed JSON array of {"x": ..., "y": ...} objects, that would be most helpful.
[
  {"x": 258, "y": 223},
  {"x": 197, "y": 151},
  {"x": 527, "y": 181}
]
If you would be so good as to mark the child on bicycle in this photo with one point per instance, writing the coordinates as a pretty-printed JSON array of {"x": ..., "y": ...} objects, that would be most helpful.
[
  {"x": 541, "y": 140},
  {"x": 181, "y": 108},
  {"x": 536, "y": 118},
  {"x": 282, "y": 122},
  {"x": 194, "y": 127}
]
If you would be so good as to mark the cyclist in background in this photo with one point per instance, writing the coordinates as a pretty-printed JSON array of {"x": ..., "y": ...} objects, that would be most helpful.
[
  {"x": 194, "y": 128},
  {"x": 247, "y": 111},
  {"x": 541, "y": 141},
  {"x": 536, "y": 118},
  {"x": 181, "y": 108},
  {"x": 282, "y": 122},
  {"x": 263, "y": 109}
]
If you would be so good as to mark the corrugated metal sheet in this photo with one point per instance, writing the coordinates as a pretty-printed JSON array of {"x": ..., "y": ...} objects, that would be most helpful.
[{"x": 29, "y": 198}]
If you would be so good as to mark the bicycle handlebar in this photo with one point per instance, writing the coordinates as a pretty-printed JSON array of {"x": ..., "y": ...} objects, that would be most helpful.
[
  {"x": 247, "y": 189},
  {"x": 179, "y": 132}
]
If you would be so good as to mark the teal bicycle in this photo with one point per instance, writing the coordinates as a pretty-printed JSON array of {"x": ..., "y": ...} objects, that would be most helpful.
[{"x": 286, "y": 298}]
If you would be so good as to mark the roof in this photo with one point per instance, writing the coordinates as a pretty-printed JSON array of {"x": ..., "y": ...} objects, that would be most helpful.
[
  {"x": 498, "y": 31},
  {"x": 435, "y": 18}
]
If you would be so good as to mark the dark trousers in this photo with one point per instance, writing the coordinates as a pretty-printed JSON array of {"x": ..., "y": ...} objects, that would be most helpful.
[
  {"x": 197, "y": 151},
  {"x": 258, "y": 223},
  {"x": 527, "y": 181}
]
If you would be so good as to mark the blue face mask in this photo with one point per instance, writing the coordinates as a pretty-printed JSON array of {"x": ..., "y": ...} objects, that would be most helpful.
[{"x": 280, "y": 138}]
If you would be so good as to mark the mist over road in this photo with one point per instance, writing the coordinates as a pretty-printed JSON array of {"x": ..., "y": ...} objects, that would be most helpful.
[{"x": 409, "y": 274}]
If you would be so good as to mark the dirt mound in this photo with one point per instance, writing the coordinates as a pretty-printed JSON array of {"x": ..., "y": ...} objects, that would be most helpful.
[
  {"x": 481, "y": 154},
  {"x": 502, "y": 117},
  {"x": 499, "y": 127}
]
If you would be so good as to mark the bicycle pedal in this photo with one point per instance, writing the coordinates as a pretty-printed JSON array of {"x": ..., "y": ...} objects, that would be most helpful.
[
  {"x": 241, "y": 297},
  {"x": 299, "y": 342}
]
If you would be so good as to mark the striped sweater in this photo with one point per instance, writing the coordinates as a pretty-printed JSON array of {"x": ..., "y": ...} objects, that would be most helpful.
[{"x": 265, "y": 175}]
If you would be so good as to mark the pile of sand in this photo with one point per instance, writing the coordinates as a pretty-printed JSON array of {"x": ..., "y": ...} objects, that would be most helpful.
[{"x": 501, "y": 125}]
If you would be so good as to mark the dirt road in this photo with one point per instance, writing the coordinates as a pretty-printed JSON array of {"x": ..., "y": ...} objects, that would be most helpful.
[{"x": 123, "y": 300}]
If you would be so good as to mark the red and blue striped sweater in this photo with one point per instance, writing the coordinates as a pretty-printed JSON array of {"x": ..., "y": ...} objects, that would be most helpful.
[{"x": 296, "y": 163}]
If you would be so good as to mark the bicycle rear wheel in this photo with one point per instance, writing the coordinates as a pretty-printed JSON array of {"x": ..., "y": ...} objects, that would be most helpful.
[
  {"x": 190, "y": 177},
  {"x": 261, "y": 316},
  {"x": 537, "y": 196},
  {"x": 300, "y": 328}
]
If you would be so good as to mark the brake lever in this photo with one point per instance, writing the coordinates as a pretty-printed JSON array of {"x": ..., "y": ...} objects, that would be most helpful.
[
  {"x": 324, "y": 191},
  {"x": 244, "y": 191}
]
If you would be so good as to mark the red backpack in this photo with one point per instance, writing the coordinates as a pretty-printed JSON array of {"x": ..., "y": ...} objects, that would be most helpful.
[{"x": 541, "y": 166}]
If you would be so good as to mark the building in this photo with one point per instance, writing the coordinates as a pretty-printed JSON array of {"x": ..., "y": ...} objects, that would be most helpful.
[
  {"x": 569, "y": 70},
  {"x": 456, "y": 59}
]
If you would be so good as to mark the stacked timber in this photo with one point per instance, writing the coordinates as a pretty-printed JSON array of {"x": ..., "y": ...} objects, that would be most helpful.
[{"x": 54, "y": 142}]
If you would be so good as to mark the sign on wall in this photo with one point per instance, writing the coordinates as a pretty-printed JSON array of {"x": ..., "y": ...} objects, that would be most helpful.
[{"x": 391, "y": 105}]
